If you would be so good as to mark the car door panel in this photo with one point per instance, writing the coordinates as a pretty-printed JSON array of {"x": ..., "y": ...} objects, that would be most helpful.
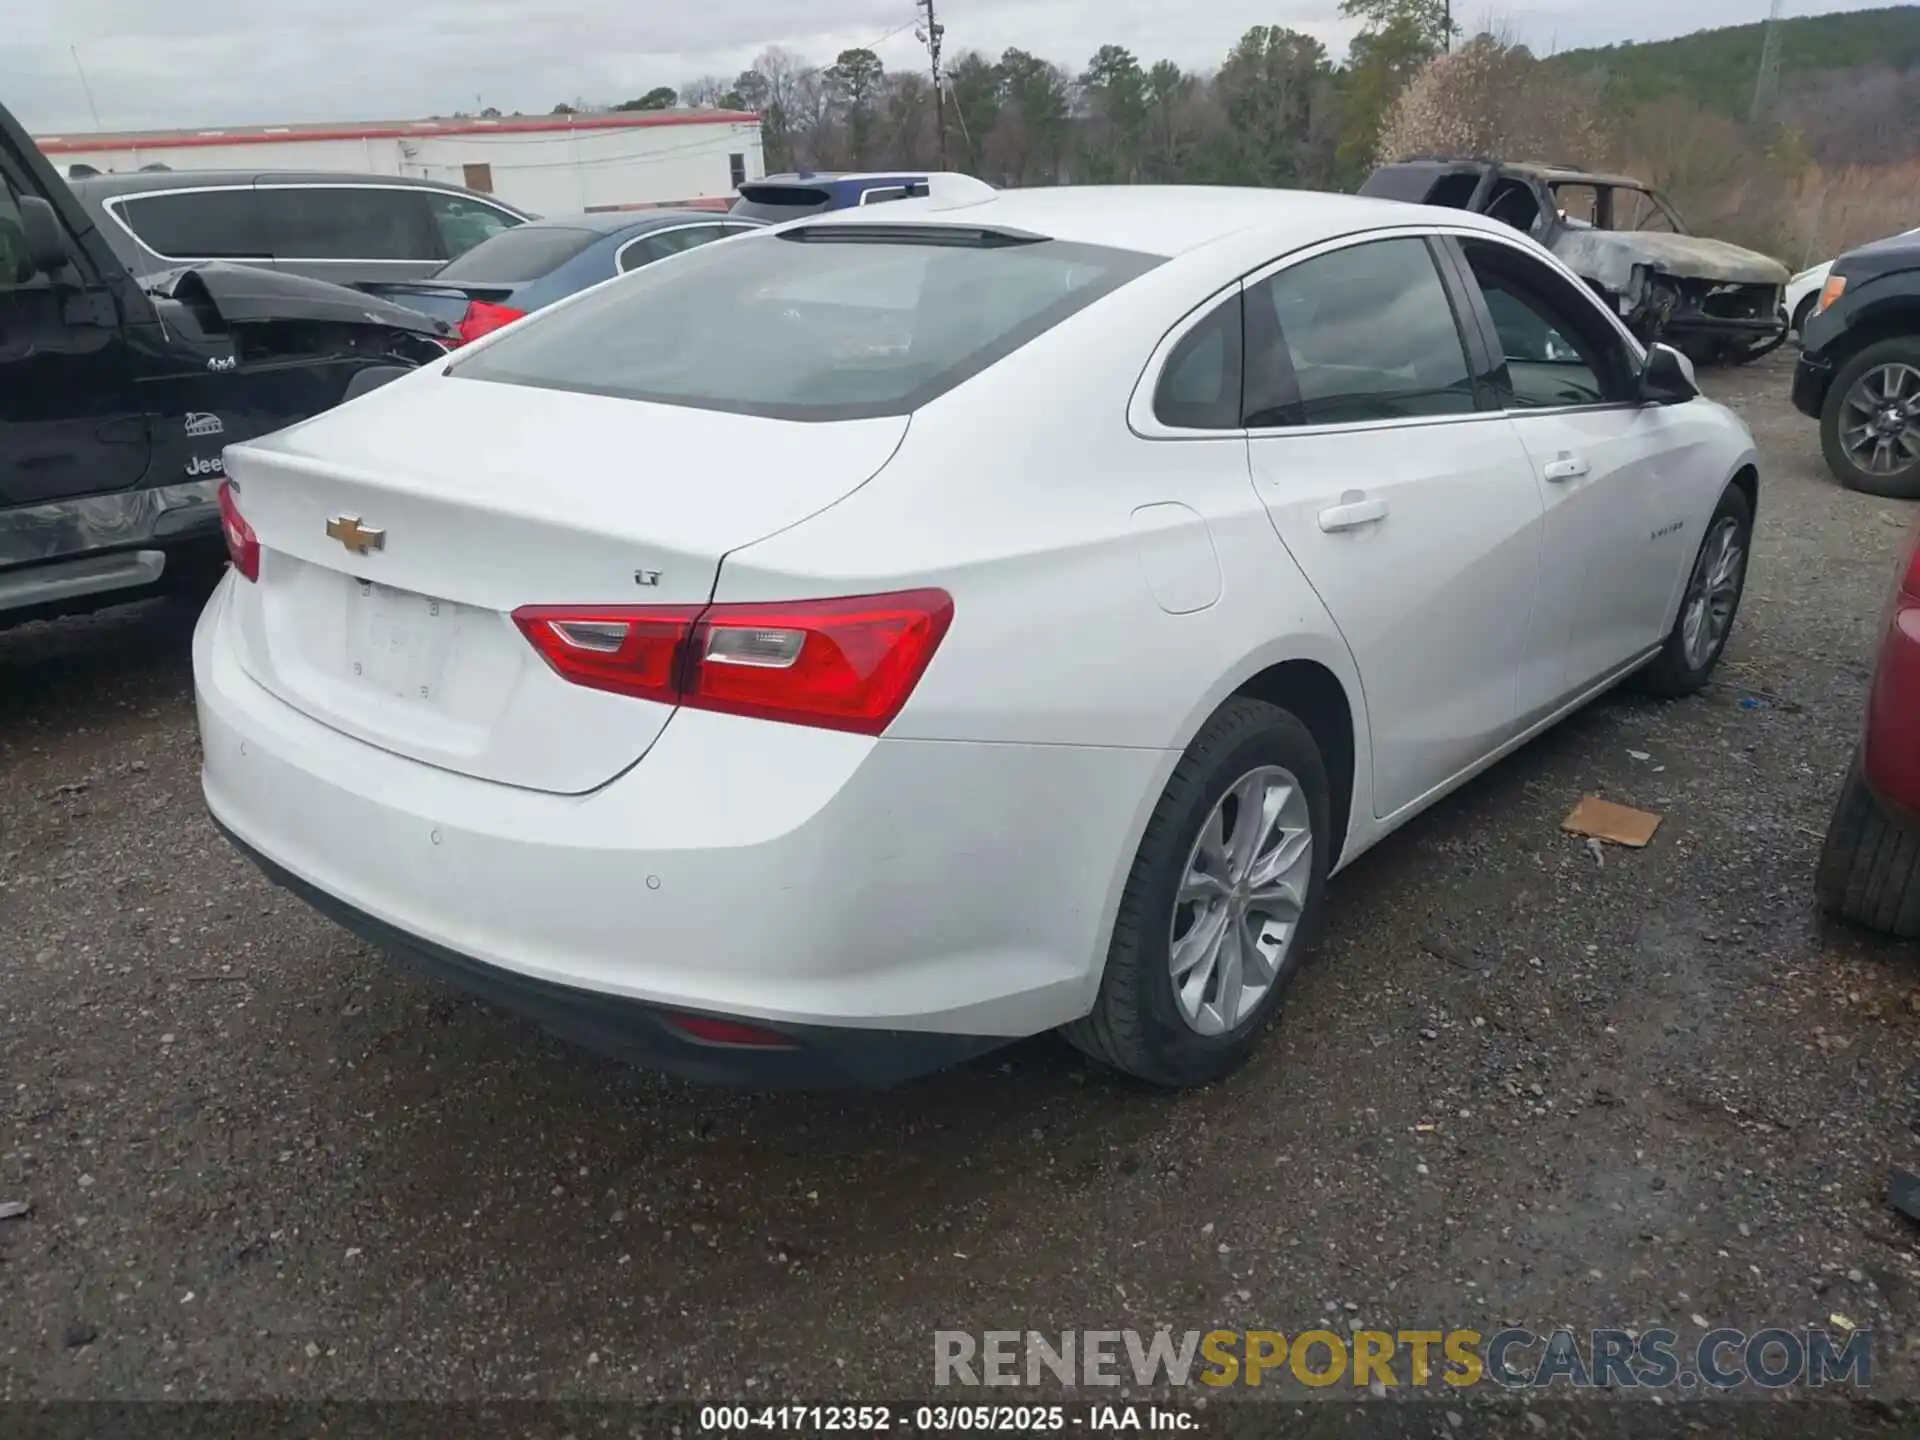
[
  {"x": 1604, "y": 465},
  {"x": 1432, "y": 596},
  {"x": 1420, "y": 532},
  {"x": 71, "y": 423},
  {"x": 1605, "y": 571}
]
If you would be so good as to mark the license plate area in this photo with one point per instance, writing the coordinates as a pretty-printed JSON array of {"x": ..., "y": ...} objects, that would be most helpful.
[{"x": 402, "y": 644}]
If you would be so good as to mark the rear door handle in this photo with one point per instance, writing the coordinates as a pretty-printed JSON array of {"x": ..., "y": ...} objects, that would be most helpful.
[
  {"x": 1567, "y": 467},
  {"x": 1352, "y": 512}
]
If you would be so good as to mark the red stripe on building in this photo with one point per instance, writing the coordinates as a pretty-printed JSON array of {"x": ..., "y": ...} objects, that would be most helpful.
[{"x": 540, "y": 124}]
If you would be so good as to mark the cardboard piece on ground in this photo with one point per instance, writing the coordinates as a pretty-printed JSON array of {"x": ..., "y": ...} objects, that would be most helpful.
[{"x": 1606, "y": 821}]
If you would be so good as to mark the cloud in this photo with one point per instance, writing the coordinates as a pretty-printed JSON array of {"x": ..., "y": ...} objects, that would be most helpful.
[{"x": 206, "y": 62}]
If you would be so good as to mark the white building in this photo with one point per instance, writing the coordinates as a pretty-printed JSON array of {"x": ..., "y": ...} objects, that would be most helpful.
[{"x": 547, "y": 164}]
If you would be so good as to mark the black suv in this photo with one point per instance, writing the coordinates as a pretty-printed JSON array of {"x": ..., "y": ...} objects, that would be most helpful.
[
  {"x": 117, "y": 395},
  {"x": 1859, "y": 368}
]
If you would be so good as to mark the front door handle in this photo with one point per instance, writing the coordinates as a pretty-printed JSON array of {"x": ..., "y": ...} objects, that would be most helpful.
[
  {"x": 1353, "y": 511},
  {"x": 1567, "y": 467}
]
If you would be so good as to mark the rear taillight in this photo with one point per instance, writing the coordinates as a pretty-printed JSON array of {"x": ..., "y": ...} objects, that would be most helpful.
[
  {"x": 846, "y": 664},
  {"x": 483, "y": 318},
  {"x": 243, "y": 546},
  {"x": 630, "y": 650}
]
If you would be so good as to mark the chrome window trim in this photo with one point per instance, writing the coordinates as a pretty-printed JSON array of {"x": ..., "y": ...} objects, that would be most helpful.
[
  {"x": 1144, "y": 423},
  {"x": 716, "y": 224}
]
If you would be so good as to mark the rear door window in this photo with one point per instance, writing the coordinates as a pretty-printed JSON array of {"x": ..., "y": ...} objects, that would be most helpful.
[
  {"x": 465, "y": 223},
  {"x": 221, "y": 224},
  {"x": 1357, "y": 334},
  {"x": 349, "y": 222},
  {"x": 848, "y": 323},
  {"x": 525, "y": 252},
  {"x": 668, "y": 242}
]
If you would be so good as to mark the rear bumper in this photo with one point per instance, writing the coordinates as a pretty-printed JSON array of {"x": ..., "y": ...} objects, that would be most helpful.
[
  {"x": 817, "y": 1057},
  {"x": 802, "y": 879},
  {"x": 1726, "y": 327},
  {"x": 1812, "y": 376}
]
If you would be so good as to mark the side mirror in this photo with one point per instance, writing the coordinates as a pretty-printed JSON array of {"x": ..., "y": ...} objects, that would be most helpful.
[
  {"x": 45, "y": 239},
  {"x": 1667, "y": 377}
]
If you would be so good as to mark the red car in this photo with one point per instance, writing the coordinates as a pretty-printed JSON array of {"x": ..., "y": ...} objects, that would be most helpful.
[{"x": 1870, "y": 866}]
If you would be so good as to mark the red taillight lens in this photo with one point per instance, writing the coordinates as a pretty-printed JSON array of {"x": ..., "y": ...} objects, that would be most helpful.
[
  {"x": 243, "y": 546},
  {"x": 715, "y": 1031},
  {"x": 483, "y": 318},
  {"x": 846, "y": 664},
  {"x": 631, "y": 650}
]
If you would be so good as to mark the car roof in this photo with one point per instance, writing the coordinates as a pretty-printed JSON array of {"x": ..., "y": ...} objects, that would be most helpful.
[
  {"x": 842, "y": 177},
  {"x": 1552, "y": 174},
  {"x": 618, "y": 222},
  {"x": 1158, "y": 219}
]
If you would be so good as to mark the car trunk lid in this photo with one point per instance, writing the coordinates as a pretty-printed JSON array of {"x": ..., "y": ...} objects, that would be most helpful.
[{"x": 399, "y": 534}]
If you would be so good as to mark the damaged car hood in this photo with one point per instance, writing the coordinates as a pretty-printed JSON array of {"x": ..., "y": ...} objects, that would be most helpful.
[
  {"x": 1610, "y": 257},
  {"x": 247, "y": 294}
]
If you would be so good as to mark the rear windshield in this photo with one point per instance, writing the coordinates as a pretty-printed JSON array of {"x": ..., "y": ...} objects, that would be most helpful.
[
  {"x": 774, "y": 203},
  {"x": 877, "y": 320},
  {"x": 525, "y": 252}
]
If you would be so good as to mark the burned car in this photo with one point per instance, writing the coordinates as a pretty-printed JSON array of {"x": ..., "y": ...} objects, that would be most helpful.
[
  {"x": 1713, "y": 300},
  {"x": 118, "y": 395}
]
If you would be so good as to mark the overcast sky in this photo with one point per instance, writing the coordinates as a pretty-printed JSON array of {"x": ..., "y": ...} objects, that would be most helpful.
[{"x": 155, "y": 63}]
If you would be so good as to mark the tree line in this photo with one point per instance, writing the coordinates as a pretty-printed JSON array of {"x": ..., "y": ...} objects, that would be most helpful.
[{"x": 1831, "y": 160}]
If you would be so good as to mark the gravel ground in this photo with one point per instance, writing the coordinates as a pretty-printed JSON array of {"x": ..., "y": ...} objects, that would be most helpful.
[{"x": 1519, "y": 1086}]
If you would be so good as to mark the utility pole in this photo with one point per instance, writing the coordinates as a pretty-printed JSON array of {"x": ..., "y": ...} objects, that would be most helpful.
[
  {"x": 1446, "y": 36},
  {"x": 929, "y": 33},
  {"x": 1767, "y": 82}
]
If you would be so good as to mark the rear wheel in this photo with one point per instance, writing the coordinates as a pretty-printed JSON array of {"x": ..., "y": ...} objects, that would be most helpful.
[
  {"x": 1870, "y": 425},
  {"x": 1870, "y": 865},
  {"x": 1223, "y": 899},
  {"x": 1711, "y": 600}
]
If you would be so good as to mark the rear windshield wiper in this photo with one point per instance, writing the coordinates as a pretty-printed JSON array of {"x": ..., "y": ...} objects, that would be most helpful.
[{"x": 966, "y": 237}]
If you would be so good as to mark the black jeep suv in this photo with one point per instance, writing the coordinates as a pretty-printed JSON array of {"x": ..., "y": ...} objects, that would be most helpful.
[
  {"x": 1859, "y": 368},
  {"x": 118, "y": 394}
]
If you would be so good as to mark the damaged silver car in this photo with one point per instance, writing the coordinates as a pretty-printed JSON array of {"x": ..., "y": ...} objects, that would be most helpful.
[{"x": 1715, "y": 301}]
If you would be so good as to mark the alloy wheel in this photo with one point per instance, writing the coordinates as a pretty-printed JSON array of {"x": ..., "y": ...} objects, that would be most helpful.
[
  {"x": 1241, "y": 897},
  {"x": 1880, "y": 419},
  {"x": 1712, "y": 592}
]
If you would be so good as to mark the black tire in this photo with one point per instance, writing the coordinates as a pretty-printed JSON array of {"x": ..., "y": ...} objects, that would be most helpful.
[
  {"x": 1902, "y": 484},
  {"x": 1869, "y": 870},
  {"x": 1135, "y": 1024},
  {"x": 1672, "y": 674}
]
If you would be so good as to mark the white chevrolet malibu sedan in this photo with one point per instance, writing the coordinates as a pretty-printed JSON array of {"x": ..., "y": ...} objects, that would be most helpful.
[{"x": 835, "y": 652}]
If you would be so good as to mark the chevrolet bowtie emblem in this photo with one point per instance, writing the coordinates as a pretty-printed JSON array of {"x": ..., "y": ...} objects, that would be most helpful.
[{"x": 358, "y": 538}]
